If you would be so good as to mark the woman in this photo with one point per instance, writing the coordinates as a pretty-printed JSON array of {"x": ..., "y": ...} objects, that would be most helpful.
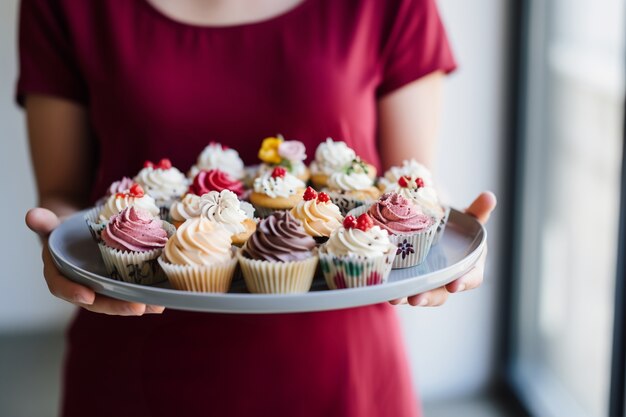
[{"x": 109, "y": 84}]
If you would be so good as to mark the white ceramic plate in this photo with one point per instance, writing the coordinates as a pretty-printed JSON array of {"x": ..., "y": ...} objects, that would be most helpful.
[{"x": 464, "y": 239}]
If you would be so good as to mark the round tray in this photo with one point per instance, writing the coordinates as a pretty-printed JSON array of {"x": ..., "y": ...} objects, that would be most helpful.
[{"x": 77, "y": 256}]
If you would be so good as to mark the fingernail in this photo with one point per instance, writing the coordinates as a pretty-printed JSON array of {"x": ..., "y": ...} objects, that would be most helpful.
[
  {"x": 153, "y": 309},
  {"x": 423, "y": 302},
  {"x": 83, "y": 299},
  {"x": 460, "y": 288}
]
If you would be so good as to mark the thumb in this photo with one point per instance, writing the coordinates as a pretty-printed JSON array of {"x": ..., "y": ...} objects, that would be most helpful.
[
  {"x": 482, "y": 207},
  {"x": 41, "y": 221}
]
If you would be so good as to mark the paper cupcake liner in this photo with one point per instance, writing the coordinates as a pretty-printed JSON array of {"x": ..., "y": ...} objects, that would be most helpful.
[
  {"x": 346, "y": 203},
  {"x": 200, "y": 278},
  {"x": 412, "y": 248},
  {"x": 134, "y": 267},
  {"x": 94, "y": 224},
  {"x": 355, "y": 271},
  {"x": 266, "y": 277},
  {"x": 442, "y": 225}
]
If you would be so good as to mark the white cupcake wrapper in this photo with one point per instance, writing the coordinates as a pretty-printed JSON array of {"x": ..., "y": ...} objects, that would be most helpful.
[
  {"x": 355, "y": 271},
  {"x": 412, "y": 248},
  {"x": 441, "y": 226},
  {"x": 92, "y": 218},
  {"x": 346, "y": 203},
  {"x": 266, "y": 277},
  {"x": 134, "y": 267},
  {"x": 200, "y": 278}
]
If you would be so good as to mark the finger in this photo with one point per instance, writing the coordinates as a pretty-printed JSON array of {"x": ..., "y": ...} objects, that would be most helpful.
[
  {"x": 482, "y": 207},
  {"x": 154, "y": 309},
  {"x": 471, "y": 279},
  {"x": 431, "y": 298},
  {"x": 111, "y": 306},
  {"x": 62, "y": 287},
  {"x": 41, "y": 221},
  {"x": 398, "y": 301}
]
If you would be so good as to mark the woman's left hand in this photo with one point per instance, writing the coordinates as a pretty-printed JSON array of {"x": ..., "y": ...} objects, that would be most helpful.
[{"x": 481, "y": 208}]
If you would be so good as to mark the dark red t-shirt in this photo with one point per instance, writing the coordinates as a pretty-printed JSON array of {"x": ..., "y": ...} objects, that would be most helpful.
[{"x": 155, "y": 88}]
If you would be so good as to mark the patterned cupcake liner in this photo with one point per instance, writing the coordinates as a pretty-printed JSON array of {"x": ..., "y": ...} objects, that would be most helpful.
[
  {"x": 412, "y": 248},
  {"x": 92, "y": 218},
  {"x": 346, "y": 203},
  {"x": 355, "y": 271},
  {"x": 200, "y": 278},
  {"x": 266, "y": 277},
  {"x": 442, "y": 225}
]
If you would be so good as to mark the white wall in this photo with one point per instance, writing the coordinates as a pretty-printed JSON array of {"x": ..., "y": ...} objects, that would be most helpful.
[{"x": 451, "y": 347}]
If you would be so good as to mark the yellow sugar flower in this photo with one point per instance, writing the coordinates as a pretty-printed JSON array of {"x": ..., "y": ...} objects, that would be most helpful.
[{"x": 269, "y": 150}]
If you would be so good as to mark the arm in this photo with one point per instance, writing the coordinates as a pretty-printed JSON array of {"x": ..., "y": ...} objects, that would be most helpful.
[
  {"x": 63, "y": 157},
  {"x": 408, "y": 123}
]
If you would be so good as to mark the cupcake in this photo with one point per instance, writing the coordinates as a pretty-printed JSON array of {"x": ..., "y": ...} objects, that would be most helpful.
[
  {"x": 120, "y": 186},
  {"x": 199, "y": 257},
  {"x": 97, "y": 217},
  {"x": 410, "y": 168},
  {"x": 409, "y": 227},
  {"x": 318, "y": 214},
  {"x": 187, "y": 208},
  {"x": 330, "y": 157},
  {"x": 215, "y": 180},
  {"x": 224, "y": 208},
  {"x": 163, "y": 182},
  {"x": 280, "y": 257},
  {"x": 289, "y": 154},
  {"x": 131, "y": 243},
  {"x": 357, "y": 254},
  {"x": 352, "y": 186},
  {"x": 217, "y": 156},
  {"x": 276, "y": 190},
  {"x": 416, "y": 189}
]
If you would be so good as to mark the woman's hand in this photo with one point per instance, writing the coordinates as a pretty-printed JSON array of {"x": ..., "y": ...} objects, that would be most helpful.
[
  {"x": 42, "y": 221},
  {"x": 481, "y": 208}
]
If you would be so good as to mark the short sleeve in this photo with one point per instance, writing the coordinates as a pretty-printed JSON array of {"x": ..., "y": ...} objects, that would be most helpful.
[
  {"x": 47, "y": 60},
  {"x": 417, "y": 45}
]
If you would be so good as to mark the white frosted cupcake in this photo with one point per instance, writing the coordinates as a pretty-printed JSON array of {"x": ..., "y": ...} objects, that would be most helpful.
[
  {"x": 289, "y": 154},
  {"x": 131, "y": 243},
  {"x": 330, "y": 157},
  {"x": 358, "y": 254},
  {"x": 163, "y": 182},
  {"x": 410, "y": 168},
  {"x": 352, "y": 186},
  {"x": 98, "y": 217},
  {"x": 218, "y": 156},
  {"x": 279, "y": 257},
  {"x": 188, "y": 207},
  {"x": 276, "y": 190},
  {"x": 199, "y": 257},
  {"x": 318, "y": 214}
]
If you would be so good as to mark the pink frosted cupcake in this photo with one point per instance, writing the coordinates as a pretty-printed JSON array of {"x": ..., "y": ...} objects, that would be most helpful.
[
  {"x": 131, "y": 243},
  {"x": 215, "y": 180}
]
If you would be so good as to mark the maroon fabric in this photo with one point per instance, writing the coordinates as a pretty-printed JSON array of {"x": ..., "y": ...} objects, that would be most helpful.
[{"x": 158, "y": 88}]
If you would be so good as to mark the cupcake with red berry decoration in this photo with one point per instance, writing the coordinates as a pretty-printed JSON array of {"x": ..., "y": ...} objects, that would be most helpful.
[
  {"x": 425, "y": 196},
  {"x": 215, "y": 180},
  {"x": 276, "y": 190},
  {"x": 409, "y": 227},
  {"x": 289, "y": 154},
  {"x": 163, "y": 182},
  {"x": 119, "y": 186},
  {"x": 218, "y": 156},
  {"x": 357, "y": 254},
  {"x": 98, "y": 217},
  {"x": 318, "y": 214},
  {"x": 131, "y": 242}
]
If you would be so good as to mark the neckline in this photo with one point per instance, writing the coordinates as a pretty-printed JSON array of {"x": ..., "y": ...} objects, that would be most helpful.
[{"x": 285, "y": 15}]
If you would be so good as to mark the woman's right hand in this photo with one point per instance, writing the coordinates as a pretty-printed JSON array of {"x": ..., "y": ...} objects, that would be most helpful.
[{"x": 43, "y": 221}]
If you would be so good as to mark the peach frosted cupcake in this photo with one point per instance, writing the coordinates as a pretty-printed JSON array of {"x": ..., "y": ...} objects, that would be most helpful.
[
  {"x": 199, "y": 257},
  {"x": 131, "y": 243},
  {"x": 276, "y": 190},
  {"x": 318, "y": 214},
  {"x": 358, "y": 254},
  {"x": 280, "y": 257}
]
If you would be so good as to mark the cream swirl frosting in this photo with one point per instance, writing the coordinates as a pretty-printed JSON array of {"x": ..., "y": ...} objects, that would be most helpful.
[
  {"x": 216, "y": 156},
  {"x": 199, "y": 242},
  {"x": 318, "y": 219},
  {"x": 356, "y": 242},
  {"x": 331, "y": 156},
  {"x": 162, "y": 184},
  {"x": 120, "y": 201},
  {"x": 352, "y": 181},
  {"x": 224, "y": 208},
  {"x": 279, "y": 186},
  {"x": 188, "y": 208},
  {"x": 410, "y": 168}
]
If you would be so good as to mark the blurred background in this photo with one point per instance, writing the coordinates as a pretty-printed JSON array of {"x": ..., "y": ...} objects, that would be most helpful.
[{"x": 535, "y": 113}]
